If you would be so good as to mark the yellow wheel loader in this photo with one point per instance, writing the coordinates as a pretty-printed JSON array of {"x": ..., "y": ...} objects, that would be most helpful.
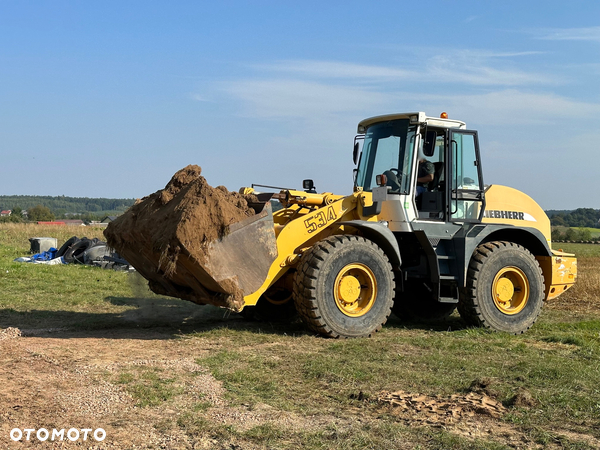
[{"x": 420, "y": 235}]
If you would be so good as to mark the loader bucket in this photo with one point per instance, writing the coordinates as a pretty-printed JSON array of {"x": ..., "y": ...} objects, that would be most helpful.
[{"x": 231, "y": 267}]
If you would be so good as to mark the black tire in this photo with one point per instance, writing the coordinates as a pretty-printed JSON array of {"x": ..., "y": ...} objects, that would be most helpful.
[
  {"x": 359, "y": 309},
  {"x": 275, "y": 305},
  {"x": 74, "y": 253},
  {"x": 486, "y": 302},
  {"x": 248, "y": 312},
  {"x": 63, "y": 248},
  {"x": 417, "y": 304}
]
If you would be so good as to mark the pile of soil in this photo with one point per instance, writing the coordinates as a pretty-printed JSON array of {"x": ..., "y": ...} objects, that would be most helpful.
[
  {"x": 438, "y": 409},
  {"x": 165, "y": 235}
]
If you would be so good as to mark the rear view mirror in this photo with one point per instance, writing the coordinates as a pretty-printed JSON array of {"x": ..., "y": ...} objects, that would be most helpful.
[
  {"x": 355, "y": 153},
  {"x": 429, "y": 145}
]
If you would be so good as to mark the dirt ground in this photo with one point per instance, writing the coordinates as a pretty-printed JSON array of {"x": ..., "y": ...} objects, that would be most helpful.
[
  {"x": 66, "y": 379},
  {"x": 61, "y": 379}
]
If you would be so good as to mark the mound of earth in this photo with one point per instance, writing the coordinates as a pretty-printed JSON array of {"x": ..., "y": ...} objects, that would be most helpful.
[
  {"x": 165, "y": 236},
  {"x": 435, "y": 409}
]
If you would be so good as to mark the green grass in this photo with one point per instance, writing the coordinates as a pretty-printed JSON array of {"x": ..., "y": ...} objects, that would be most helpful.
[
  {"x": 338, "y": 381},
  {"x": 75, "y": 296},
  {"x": 148, "y": 387},
  {"x": 595, "y": 232},
  {"x": 320, "y": 374},
  {"x": 580, "y": 250}
]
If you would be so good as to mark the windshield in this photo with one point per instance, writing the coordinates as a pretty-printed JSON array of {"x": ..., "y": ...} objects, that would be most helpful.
[{"x": 388, "y": 148}]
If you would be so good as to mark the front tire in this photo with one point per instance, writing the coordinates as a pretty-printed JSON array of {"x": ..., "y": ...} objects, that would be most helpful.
[
  {"x": 344, "y": 287},
  {"x": 505, "y": 288}
]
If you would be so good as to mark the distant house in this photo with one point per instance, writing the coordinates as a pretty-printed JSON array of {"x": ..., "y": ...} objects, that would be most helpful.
[
  {"x": 108, "y": 219},
  {"x": 5, "y": 213},
  {"x": 74, "y": 222}
]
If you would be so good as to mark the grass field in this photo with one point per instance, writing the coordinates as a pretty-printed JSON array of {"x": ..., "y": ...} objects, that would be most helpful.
[{"x": 98, "y": 348}]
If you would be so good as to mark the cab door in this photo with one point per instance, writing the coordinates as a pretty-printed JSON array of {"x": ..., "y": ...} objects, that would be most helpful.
[{"x": 466, "y": 198}]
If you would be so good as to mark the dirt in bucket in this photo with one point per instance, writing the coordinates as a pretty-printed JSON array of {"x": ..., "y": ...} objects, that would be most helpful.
[{"x": 173, "y": 227}]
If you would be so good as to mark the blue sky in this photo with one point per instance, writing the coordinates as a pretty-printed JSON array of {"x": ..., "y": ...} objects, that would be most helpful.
[{"x": 109, "y": 99}]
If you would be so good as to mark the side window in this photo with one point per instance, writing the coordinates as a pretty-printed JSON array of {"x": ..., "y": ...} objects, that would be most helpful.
[
  {"x": 438, "y": 153},
  {"x": 465, "y": 165},
  {"x": 467, "y": 193}
]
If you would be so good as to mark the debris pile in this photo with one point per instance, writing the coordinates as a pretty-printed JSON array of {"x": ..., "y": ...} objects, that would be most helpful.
[
  {"x": 9, "y": 333},
  {"x": 437, "y": 409},
  {"x": 75, "y": 250}
]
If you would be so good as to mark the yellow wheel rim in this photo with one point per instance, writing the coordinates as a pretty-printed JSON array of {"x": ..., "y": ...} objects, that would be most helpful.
[
  {"x": 355, "y": 290},
  {"x": 510, "y": 290}
]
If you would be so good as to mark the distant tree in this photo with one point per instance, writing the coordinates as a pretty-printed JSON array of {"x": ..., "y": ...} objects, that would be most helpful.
[
  {"x": 40, "y": 213},
  {"x": 584, "y": 235},
  {"x": 557, "y": 234},
  {"x": 17, "y": 212},
  {"x": 571, "y": 235}
]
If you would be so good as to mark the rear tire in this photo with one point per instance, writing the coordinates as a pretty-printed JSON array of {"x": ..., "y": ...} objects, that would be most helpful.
[
  {"x": 416, "y": 304},
  {"x": 344, "y": 287},
  {"x": 505, "y": 288}
]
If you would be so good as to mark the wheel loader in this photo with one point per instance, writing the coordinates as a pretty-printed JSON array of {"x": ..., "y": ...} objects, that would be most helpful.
[{"x": 418, "y": 244}]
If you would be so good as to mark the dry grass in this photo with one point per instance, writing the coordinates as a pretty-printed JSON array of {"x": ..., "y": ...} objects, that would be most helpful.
[
  {"x": 584, "y": 296},
  {"x": 14, "y": 237}
]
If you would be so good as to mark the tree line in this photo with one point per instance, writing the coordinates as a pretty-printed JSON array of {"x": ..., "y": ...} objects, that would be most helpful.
[
  {"x": 63, "y": 204},
  {"x": 36, "y": 208},
  {"x": 581, "y": 217}
]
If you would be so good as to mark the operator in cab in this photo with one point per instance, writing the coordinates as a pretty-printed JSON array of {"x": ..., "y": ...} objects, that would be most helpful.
[{"x": 425, "y": 174}]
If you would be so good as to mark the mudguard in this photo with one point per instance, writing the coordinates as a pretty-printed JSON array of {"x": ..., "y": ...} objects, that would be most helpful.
[{"x": 381, "y": 235}]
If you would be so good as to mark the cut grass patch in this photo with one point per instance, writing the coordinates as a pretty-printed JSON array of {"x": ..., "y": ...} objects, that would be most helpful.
[{"x": 148, "y": 387}]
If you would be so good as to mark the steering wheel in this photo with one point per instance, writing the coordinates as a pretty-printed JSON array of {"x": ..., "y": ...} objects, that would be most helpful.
[
  {"x": 395, "y": 183},
  {"x": 397, "y": 172}
]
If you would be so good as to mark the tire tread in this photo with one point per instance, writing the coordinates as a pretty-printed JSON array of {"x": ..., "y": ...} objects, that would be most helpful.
[
  {"x": 305, "y": 283},
  {"x": 469, "y": 305}
]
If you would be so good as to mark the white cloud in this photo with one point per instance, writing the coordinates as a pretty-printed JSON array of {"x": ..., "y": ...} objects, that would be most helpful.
[
  {"x": 281, "y": 98},
  {"x": 469, "y": 67},
  {"x": 515, "y": 107},
  {"x": 337, "y": 69},
  {"x": 569, "y": 34},
  {"x": 446, "y": 69},
  {"x": 312, "y": 101},
  {"x": 199, "y": 98},
  {"x": 492, "y": 54}
]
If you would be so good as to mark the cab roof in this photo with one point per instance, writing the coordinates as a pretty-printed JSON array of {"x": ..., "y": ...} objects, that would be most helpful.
[{"x": 414, "y": 117}]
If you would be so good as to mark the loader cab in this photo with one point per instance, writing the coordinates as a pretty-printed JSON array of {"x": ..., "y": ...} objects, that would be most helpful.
[{"x": 395, "y": 149}]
